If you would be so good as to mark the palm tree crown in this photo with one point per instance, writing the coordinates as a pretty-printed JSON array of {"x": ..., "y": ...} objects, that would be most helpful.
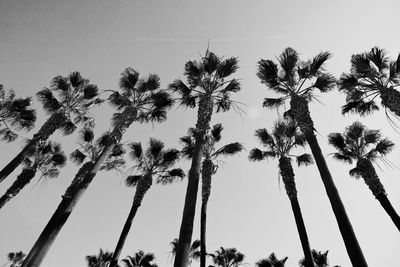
[
  {"x": 272, "y": 261},
  {"x": 372, "y": 74},
  {"x": 140, "y": 259},
  {"x": 15, "y": 115},
  {"x": 16, "y": 258},
  {"x": 227, "y": 257},
  {"x": 100, "y": 260},
  {"x": 194, "y": 253}
]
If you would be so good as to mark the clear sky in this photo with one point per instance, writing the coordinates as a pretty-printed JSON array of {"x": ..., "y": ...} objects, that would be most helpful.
[{"x": 248, "y": 209}]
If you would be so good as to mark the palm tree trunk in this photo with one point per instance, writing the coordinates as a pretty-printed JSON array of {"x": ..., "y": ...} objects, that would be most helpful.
[
  {"x": 56, "y": 121},
  {"x": 370, "y": 177},
  {"x": 206, "y": 173},
  {"x": 22, "y": 180},
  {"x": 142, "y": 187},
  {"x": 287, "y": 174},
  {"x": 69, "y": 200},
  {"x": 300, "y": 112},
  {"x": 186, "y": 229},
  {"x": 391, "y": 99}
]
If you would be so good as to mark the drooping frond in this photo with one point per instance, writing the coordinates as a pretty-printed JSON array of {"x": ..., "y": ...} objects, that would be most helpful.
[
  {"x": 343, "y": 158},
  {"x": 216, "y": 132},
  {"x": 229, "y": 149},
  {"x": 171, "y": 176},
  {"x": 155, "y": 148},
  {"x": 264, "y": 137},
  {"x": 304, "y": 160},
  {"x": 256, "y": 155},
  {"x": 273, "y": 102},
  {"x": 136, "y": 150},
  {"x": 132, "y": 180},
  {"x": 355, "y": 172}
]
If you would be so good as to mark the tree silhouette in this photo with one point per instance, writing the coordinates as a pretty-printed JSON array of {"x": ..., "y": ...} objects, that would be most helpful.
[
  {"x": 140, "y": 259},
  {"x": 227, "y": 257},
  {"x": 100, "y": 260},
  {"x": 272, "y": 261},
  {"x": 209, "y": 87},
  {"x": 194, "y": 252},
  {"x": 297, "y": 81}
]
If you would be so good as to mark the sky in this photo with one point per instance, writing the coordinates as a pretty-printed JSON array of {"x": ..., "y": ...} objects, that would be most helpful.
[{"x": 248, "y": 208}]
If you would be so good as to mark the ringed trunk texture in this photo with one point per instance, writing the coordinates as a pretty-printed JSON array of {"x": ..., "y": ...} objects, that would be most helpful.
[
  {"x": 391, "y": 99},
  {"x": 142, "y": 187},
  {"x": 69, "y": 200},
  {"x": 56, "y": 121},
  {"x": 300, "y": 112},
  {"x": 186, "y": 229},
  {"x": 22, "y": 180},
  {"x": 287, "y": 174},
  {"x": 206, "y": 174},
  {"x": 370, "y": 177}
]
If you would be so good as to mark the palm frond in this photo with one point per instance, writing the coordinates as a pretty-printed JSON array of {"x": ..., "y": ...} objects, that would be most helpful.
[
  {"x": 224, "y": 103},
  {"x": 211, "y": 62},
  {"x": 162, "y": 99},
  {"x": 60, "y": 83},
  {"x": 90, "y": 91},
  {"x": 304, "y": 160},
  {"x": 171, "y": 176},
  {"x": 193, "y": 73},
  {"x": 256, "y": 155},
  {"x": 136, "y": 150},
  {"x": 360, "y": 64},
  {"x": 170, "y": 157},
  {"x": 325, "y": 83},
  {"x": 232, "y": 87},
  {"x": 355, "y": 130},
  {"x": 337, "y": 141},
  {"x": 384, "y": 146},
  {"x": 150, "y": 84},
  {"x": 274, "y": 102},
  {"x": 379, "y": 58},
  {"x": 186, "y": 97},
  {"x": 355, "y": 172},
  {"x": 59, "y": 159},
  {"x": 129, "y": 78},
  {"x": 216, "y": 132},
  {"x": 229, "y": 149},
  {"x": 347, "y": 82},
  {"x": 77, "y": 157},
  {"x": 68, "y": 128},
  {"x": 188, "y": 148},
  {"x": 49, "y": 102},
  {"x": 264, "y": 137},
  {"x": 364, "y": 108},
  {"x": 132, "y": 180},
  {"x": 86, "y": 135},
  {"x": 343, "y": 158},
  {"x": 227, "y": 67},
  {"x": 268, "y": 73},
  {"x": 372, "y": 136},
  {"x": 317, "y": 63},
  {"x": 76, "y": 79},
  {"x": 155, "y": 148},
  {"x": 288, "y": 61}
]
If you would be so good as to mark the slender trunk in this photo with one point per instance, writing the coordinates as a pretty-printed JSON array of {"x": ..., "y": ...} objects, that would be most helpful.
[
  {"x": 189, "y": 210},
  {"x": 69, "y": 200},
  {"x": 300, "y": 112},
  {"x": 56, "y": 121},
  {"x": 391, "y": 100},
  {"x": 22, "y": 180},
  {"x": 287, "y": 174},
  {"x": 370, "y": 177},
  {"x": 143, "y": 185},
  {"x": 206, "y": 174}
]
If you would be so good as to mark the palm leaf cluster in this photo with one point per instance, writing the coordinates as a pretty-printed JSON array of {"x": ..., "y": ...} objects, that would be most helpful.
[
  {"x": 227, "y": 257},
  {"x": 194, "y": 253},
  {"x": 15, "y": 114},
  {"x": 140, "y": 259},
  {"x": 272, "y": 261}
]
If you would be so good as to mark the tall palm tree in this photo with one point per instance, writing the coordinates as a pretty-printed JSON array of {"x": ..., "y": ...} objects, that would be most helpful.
[
  {"x": 75, "y": 98},
  {"x": 285, "y": 136},
  {"x": 47, "y": 158},
  {"x": 211, "y": 155},
  {"x": 16, "y": 258},
  {"x": 227, "y": 257},
  {"x": 15, "y": 115},
  {"x": 100, "y": 260},
  {"x": 363, "y": 146},
  {"x": 320, "y": 259},
  {"x": 141, "y": 100},
  {"x": 372, "y": 74},
  {"x": 296, "y": 81},
  {"x": 272, "y": 261},
  {"x": 194, "y": 252},
  {"x": 155, "y": 162},
  {"x": 209, "y": 87},
  {"x": 140, "y": 259}
]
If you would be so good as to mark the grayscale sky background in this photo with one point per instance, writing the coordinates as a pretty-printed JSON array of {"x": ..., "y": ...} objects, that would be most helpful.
[{"x": 248, "y": 209}]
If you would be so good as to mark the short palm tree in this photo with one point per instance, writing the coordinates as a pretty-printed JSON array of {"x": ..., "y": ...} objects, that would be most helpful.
[
  {"x": 209, "y": 86},
  {"x": 100, "y": 260},
  {"x": 279, "y": 144},
  {"x": 47, "y": 158},
  {"x": 194, "y": 252},
  {"x": 364, "y": 147},
  {"x": 15, "y": 115},
  {"x": 141, "y": 100},
  {"x": 372, "y": 74},
  {"x": 140, "y": 259},
  {"x": 212, "y": 155},
  {"x": 155, "y": 162},
  {"x": 227, "y": 257},
  {"x": 15, "y": 258},
  {"x": 296, "y": 81},
  {"x": 75, "y": 98},
  {"x": 272, "y": 261}
]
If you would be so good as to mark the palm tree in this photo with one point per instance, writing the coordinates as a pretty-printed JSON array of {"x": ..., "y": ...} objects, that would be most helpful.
[
  {"x": 209, "y": 167},
  {"x": 140, "y": 259},
  {"x": 154, "y": 162},
  {"x": 101, "y": 260},
  {"x": 75, "y": 98},
  {"x": 296, "y": 81},
  {"x": 209, "y": 87},
  {"x": 47, "y": 158},
  {"x": 194, "y": 252},
  {"x": 16, "y": 258},
  {"x": 14, "y": 115},
  {"x": 365, "y": 146},
  {"x": 372, "y": 74},
  {"x": 272, "y": 261},
  {"x": 227, "y": 257},
  {"x": 320, "y": 259},
  {"x": 285, "y": 136},
  {"x": 141, "y": 101}
]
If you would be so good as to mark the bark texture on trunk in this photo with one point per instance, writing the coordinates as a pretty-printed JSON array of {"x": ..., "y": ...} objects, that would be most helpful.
[
  {"x": 69, "y": 200},
  {"x": 299, "y": 111},
  {"x": 186, "y": 229},
  {"x": 56, "y": 121},
  {"x": 142, "y": 187},
  {"x": 371, "y": 178},
  {"x": 22, "y": 180},
  {"x": 287, "y": 174},
  {"x": 391, "y": 99},
  {"x": 206, "y": 174}
]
